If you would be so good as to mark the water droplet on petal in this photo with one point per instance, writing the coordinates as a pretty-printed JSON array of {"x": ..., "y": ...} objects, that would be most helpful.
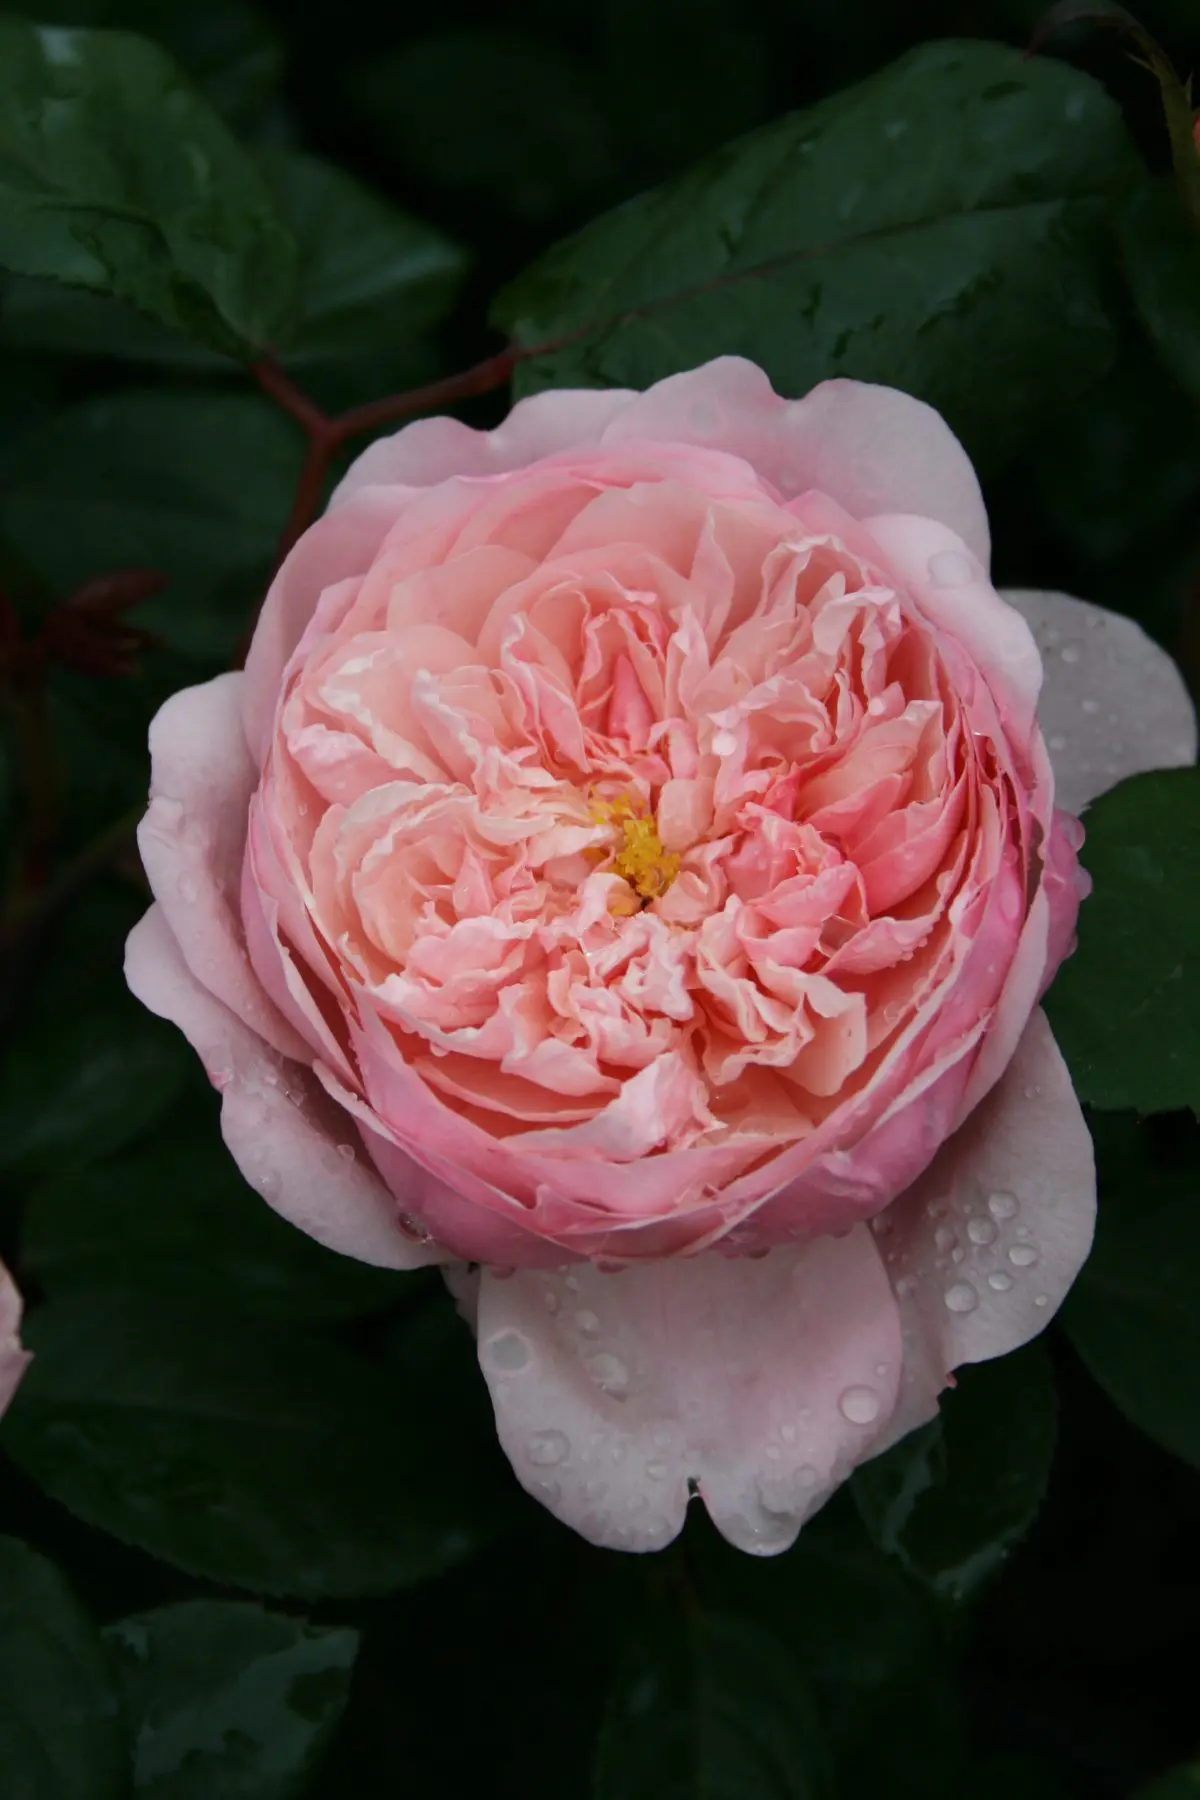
[
  {"x": 1091, "y": 707},
  {"x": 1003, "y": 1205},
  {"x": 588, "y": 1323},
  {"x": 961, "y": 1298},
  {"x": 508, "y": 1352},
  {"x": 550, "y": 1301},
  {"x": 548, "y": 1448},
  {"x": 1041, "y": 1299},
  {"x": 657, "y": 1471},
  {"x": 347, "y": 1152},
  {"x": 774, "y": 1453},
  {"x": 608, "y": 1372},
  {"x": 944, "y": 1237},
  {"x": 1022, "y": 1256},
  {"x": 1071, "y": 653},
  {"x": 982, "y": 1231},
  {"x": 1058, "y": 742},
  {"x": 788, "y": 1433},
  {"x": 860, "y": 1405},
  {"x": 999, "y": 1282}
]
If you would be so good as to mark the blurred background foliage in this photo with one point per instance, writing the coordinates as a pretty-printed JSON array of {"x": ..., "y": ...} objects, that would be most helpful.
[{"x": 259, "y": 1541}]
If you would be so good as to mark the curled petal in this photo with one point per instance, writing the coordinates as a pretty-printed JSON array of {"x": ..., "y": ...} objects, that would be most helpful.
[
  {"x": 757, "y": 1383},
  {"x": 192, "y": 841},
  {"x": 285, "y": 1135}
]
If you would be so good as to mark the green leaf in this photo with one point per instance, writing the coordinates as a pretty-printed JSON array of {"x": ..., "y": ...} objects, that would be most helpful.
[
  {"x": 942, "y": 227},
  {"x": 250, "y": 1455},
  {"x": 1126, "y": 1007},
  {"x": 229, "y": 48},
  {"x": 1161, "y": 256},
  {"x": 90, "y": 1069},
  {"x": 371, "y": 275},
  {"x": 174, "y": 1216},
  {"x": 373, "y": 279},
  {"x": 1134, "y": 1314},
  {"x": 1181, "y": 1784},
  {"x": 62, "y": 1736},
  {"x": 229, "y": 1700},
  {"x": 866, "y": 1639},
  {"x": 116, "y": 176},
  {"x": 710, "y": 1709},
  {"x": 492, "y": 111},
  {"x": 194, "y": 484},
  {"x": 952, "y": 1498}
]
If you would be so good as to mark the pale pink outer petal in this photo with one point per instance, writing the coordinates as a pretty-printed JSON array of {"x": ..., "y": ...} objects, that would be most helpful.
[
  {"x": 192, "y": 841},
  {"x": 433, "y": 450},
  {"x": 1113, "y": 704},
  {"x": 873, "y": 449},
  {"x": 1012, "y": 1195},
  {"x": 13, "y": 1360},
  {"x": 341, "y": 544},
  {"x": 759, "y": 1381},
  {"x": 285, "y": 1134}
]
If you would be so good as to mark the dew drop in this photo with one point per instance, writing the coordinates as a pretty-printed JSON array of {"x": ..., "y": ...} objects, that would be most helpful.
[
  {"x": 1022, "y": 1256},
  {"x": 1071, "y": 653},
  {"x": 982, "y": 1231},
  {"x": 999, "y": 1282},
  {"x": 347, "y": 1152},
  {"x": 788, "y": 1433},
  {"x": 608, "y": 1372},
  {"x": 961, "y": 1298},
  {"x": 550, "y": 1301},
  {"x": 807, "y": 1475},
  {"x": 944, "y": 1238},
  {"x": 588, "y": 1323},
  {"x": 1003, "y": 1205},
  {"x": 1058, "y": 742},
  {"x": 860, "y": 1405},
  {"x": 549, "y": 1491},
  {"x": 774, "y": 1453},
  {"x": 269, "y": 1184},
  {"x": 1041, "y": 1299},
  {"x": 508, "y": 1352},
  {"x": 657, "y": 1471},
  {"x": 1091, "y": 707},
  {"x": 548, "y": 1448},
  {"x": 905, "y": 1286}
]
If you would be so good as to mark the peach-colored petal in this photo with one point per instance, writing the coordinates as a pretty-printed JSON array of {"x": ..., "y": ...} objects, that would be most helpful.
[
  {"x": 873, "y": 448},
  {"x": 192, "y": 841},
  {"x": 13, "y": 1360},
  {"x": 290, "y": 1143},
  {"x": 983, "y": 1249},
  {"x": 1113, "y": 704},
  {"x": 761, "y": 1382}
]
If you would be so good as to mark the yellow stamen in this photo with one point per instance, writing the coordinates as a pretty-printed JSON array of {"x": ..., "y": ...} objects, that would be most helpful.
[{"x": 643, "y": 861}]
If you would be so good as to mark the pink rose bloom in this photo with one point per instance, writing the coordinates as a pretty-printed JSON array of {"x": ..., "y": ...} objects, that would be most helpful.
[{"x": 630, "y": 863}]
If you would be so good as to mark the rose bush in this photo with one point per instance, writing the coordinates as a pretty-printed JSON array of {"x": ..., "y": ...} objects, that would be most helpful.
[{"x": 626, "y": 873}]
